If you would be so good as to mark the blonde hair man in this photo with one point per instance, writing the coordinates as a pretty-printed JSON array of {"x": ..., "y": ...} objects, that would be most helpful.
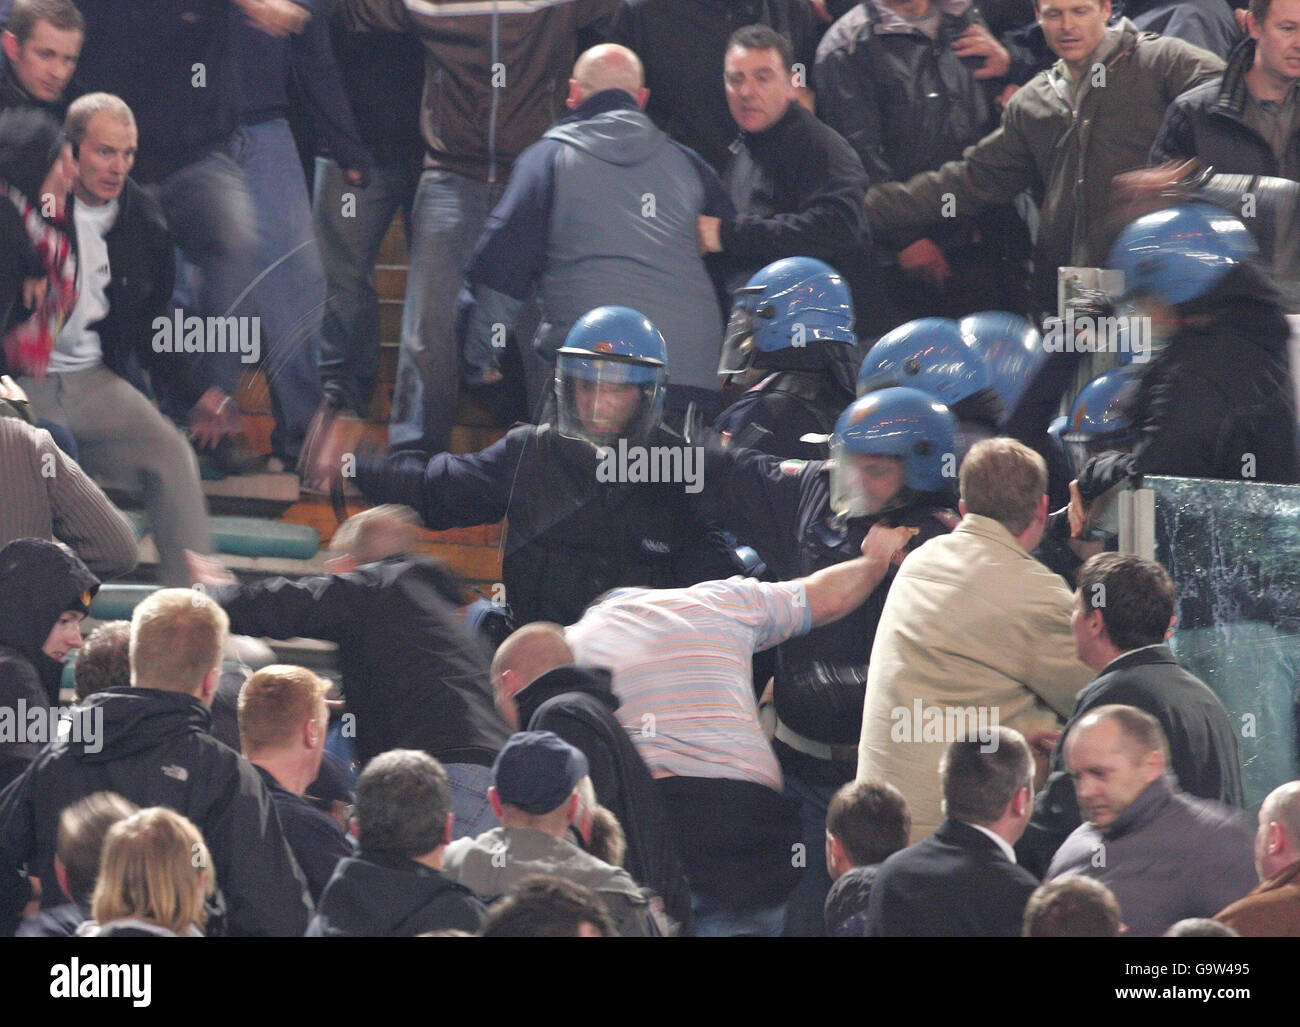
[{"x": 282, "y": 724}]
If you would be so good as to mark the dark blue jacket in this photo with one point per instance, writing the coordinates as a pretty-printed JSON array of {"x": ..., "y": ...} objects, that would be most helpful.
[
  {"x": 571, "y": 536},
  {"x": 379, "y": 895},
  {"x": 266, "y": 64},
  {"x": 1208, "y": 24},
  {"x": 174, "y": 65},
  {"x": 316, "y": 839}
]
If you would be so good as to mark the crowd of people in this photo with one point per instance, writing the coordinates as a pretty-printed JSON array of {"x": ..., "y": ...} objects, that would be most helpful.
[{"x": 807, "y": 622}]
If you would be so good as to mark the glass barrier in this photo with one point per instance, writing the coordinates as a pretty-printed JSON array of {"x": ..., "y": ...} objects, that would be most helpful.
[{"x": 1233, "y": 549}]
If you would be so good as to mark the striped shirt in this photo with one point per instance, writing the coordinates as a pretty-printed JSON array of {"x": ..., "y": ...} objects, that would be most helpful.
[
  {"x": 680, "y": 660},
  {"x": 47, "y": 495}
]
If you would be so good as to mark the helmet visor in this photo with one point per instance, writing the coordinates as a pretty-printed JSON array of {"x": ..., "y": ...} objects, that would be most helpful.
[
  {"x": 862, "y": 484},
  {"x": 739, "y": 342},
  {"x": 602, "y": 399}
]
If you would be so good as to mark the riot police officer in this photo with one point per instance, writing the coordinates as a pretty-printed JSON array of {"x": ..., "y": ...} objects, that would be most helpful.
[
  {"x": 894, "y": 463},
  {"x": 578, "y": 523},
  {"x": 791, "y": 328},
  {"x": 930, "y": 354},
  {"x": 1216, "y": 401}
]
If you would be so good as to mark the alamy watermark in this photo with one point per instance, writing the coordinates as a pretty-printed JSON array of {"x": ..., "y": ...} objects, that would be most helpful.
[
  {"x": 945, "y": 724},
  {"x": 193, "y": 334},
  {"x": 1091, "y": 333},
  {"x": 39, "y": 725},
  {"x": 636, "y": 465}
]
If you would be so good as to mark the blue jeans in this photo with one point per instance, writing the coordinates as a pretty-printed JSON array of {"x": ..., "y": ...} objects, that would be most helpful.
[
  {"x": 350, "y": 225},
  {"x": 715, "y": 921},
  {"x": 290, "y": 293},
  {"x": 450, "y": 211},
  {"x": 469, "y": 787},
  {"x": 209, "y": 213},
  {"x": 806, "y": 912}
]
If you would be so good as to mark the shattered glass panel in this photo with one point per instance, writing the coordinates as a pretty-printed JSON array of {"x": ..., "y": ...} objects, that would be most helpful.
[{"x": 1233, "y": 549}]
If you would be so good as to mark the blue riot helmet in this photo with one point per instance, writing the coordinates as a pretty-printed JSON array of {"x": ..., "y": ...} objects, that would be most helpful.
[
  {"x": 1010, "y": 346},
  {"x": 901, "y": 423},
  {"x": 610, "y": 376},
  {"x": 1102, "y": 416},
  {"x": 930, "y": 354},
  {"x": 789, "y": 304},
  {"x": 1180, "y": 253}
]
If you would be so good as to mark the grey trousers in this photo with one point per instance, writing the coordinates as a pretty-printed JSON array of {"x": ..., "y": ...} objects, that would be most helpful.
[{"x": 124, "y": 442}]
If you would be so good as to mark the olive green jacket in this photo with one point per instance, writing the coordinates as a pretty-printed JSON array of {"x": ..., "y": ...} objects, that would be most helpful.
[{"x": 1064, "y": 150}]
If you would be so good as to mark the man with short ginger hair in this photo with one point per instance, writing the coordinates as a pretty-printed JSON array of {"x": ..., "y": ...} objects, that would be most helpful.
[
  {"x": 151, "y": 744},
  {"x": 1165, "y": 855},
  {"x": 972, "y": 621},
  {"x": 283, "y": 721}
]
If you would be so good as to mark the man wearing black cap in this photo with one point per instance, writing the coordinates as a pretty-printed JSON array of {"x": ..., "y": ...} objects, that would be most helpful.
[{"x": 535, "y": 794}]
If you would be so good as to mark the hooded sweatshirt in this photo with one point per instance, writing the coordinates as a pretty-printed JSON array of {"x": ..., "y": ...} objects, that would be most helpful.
[
  {"x": 605, "y": 196},
  {"x": 39, "y": 580}
]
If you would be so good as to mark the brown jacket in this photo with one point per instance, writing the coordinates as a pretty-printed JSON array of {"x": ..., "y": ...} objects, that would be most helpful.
[
  {"x": 495, "y": 75},
  {"x": 1271, "y": 911}
]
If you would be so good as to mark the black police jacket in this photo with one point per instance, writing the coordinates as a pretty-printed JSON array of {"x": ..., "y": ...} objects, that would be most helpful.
[
  {"x": 571, "y": 536},
  {"x": 782, "y": 507},
  {"x": 1216, "y": 402}
]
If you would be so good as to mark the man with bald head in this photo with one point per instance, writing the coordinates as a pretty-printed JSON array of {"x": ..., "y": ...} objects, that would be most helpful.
[
  {"x": 602, "y": 210},
  {"x": 1273, "y": 909},
  {"x": 1165, "y": 855},
  {"x": 538, "y": 688}
]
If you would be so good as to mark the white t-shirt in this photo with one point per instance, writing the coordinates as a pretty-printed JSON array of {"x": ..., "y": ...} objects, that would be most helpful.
[{"x": 77, "y": 347}]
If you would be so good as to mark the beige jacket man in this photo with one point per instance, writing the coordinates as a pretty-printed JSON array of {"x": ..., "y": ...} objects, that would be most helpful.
[{"x": 974, "y": 627}]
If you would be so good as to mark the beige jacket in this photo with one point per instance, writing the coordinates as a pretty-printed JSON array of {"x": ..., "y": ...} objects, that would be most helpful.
[{"x": 974, "y": 630}]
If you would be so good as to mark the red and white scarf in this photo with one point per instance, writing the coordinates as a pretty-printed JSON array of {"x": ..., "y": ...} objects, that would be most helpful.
[{"x": 28, "y": 346}]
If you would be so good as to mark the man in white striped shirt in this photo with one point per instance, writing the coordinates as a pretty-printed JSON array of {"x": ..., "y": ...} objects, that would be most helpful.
[{"x": 680, "y": 660}]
